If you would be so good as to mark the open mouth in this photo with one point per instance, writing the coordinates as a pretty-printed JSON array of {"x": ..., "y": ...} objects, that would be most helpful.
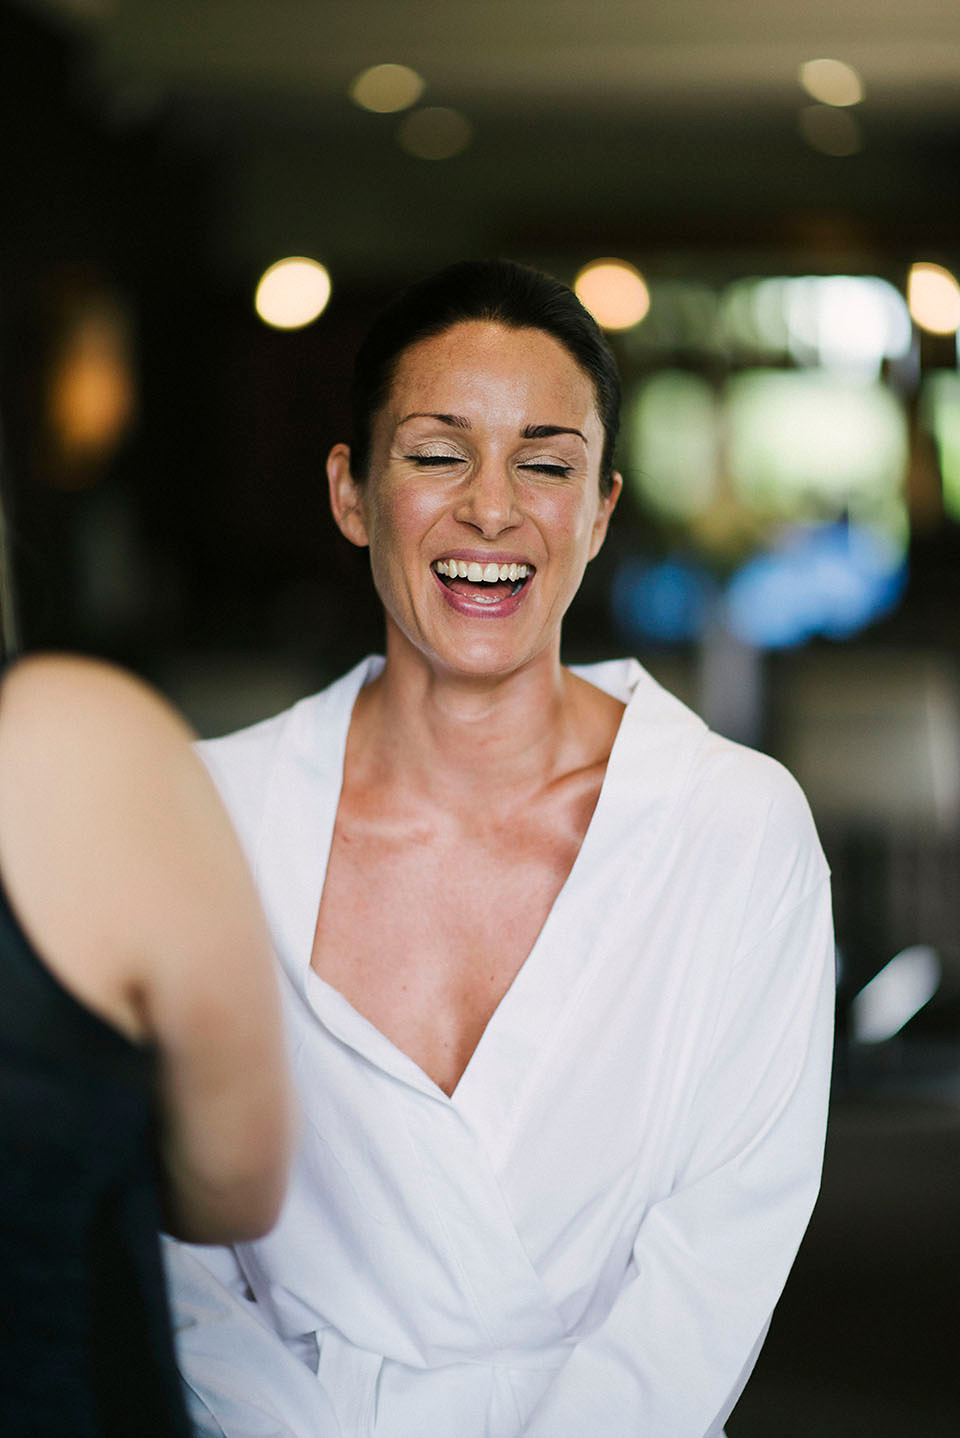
[{"x": 485, "y": 581}]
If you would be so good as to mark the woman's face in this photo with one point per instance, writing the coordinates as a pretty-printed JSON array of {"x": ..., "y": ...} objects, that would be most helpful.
[{"x": 482, "y": 505}]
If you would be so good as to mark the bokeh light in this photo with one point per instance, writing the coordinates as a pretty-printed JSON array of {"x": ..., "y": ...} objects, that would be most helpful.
[
  {"x": 292, "y": 293},
  {"x": 434, "y": 133},
  {"x": 933, "y": 298},
  {"x": 386, "y": 88},
  {"x": 846, "y": 322},
  {"x": 672, "y": 424},
  {"x": 940, "y": 415},
  {"x": 831, "y": 579},
  {"x": 667, "y": 600},
  {"x": 92, "y": 397},
  {"x": 614, "y": 292},
  {"x": 832, "y": 132},
  {"x": 832, "y": 82},
  {"x": 803, "y": 443},
  {"x": 894, "y": 995}
]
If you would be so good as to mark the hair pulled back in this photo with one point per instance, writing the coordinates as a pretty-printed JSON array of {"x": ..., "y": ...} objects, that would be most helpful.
[{"x": 500, "y": 291}]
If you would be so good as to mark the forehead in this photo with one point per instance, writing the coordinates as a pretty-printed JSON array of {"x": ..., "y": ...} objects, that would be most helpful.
[{"x": 477, "y": 364}]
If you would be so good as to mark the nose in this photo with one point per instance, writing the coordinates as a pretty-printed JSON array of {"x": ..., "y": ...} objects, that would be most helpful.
[{"x": 489, "y": 502}]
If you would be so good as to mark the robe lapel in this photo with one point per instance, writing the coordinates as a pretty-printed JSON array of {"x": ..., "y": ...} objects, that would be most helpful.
[{"x": 645, "y": 776}]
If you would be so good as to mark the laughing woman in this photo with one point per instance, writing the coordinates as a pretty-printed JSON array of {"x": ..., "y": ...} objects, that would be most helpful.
[{"x": 558, "y": 959}]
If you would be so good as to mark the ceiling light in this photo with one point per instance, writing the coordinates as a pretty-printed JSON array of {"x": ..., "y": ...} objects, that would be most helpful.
[
  {"x": 831, "y": 82},
  {"x": 614, "y": 292},
  {"x": 933, "y": 298},
  {"x": 292, "y": 293},
  {"x": 386, "y": 88},
  {"x": 832, "y": 132},
  {"x": 434, "y": 133}
]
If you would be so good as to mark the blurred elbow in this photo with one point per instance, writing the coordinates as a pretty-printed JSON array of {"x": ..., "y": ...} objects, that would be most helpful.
[{"x": 234, "y": 1197}]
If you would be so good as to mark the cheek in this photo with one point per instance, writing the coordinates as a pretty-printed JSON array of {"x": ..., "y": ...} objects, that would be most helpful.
[
  {"x": 397, "y": 518},
  {"x": 571, "y": 519}
]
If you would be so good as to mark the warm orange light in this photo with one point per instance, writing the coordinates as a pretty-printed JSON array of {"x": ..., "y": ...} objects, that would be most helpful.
[
  {"x": 933, "y": 298},
  {"x": 92, "y": 399},
  {"x": 614, "y": 292},
  {"x": 292, "y": 293}
]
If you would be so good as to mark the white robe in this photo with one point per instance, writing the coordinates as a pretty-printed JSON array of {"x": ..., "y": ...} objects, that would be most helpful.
[{"x": 589, "y": 1236}]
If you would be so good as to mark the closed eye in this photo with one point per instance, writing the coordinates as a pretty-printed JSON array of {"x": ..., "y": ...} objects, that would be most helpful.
[
  {"x": 557, "y": 470},
  {"x": 429, "y": 460}
]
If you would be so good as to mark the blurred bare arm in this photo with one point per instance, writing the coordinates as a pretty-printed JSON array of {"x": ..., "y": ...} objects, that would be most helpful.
[{"x": 126, "y": 874}]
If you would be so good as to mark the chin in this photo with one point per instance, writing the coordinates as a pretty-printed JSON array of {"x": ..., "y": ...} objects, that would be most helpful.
[
  {"x": 475, "y": 655},
  {"x": 489, "y": 661}
]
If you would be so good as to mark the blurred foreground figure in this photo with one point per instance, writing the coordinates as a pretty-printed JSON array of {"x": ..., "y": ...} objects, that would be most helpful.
[
  {"x": 559, "y": 959},
  {"x": 142, "y": 1073}
]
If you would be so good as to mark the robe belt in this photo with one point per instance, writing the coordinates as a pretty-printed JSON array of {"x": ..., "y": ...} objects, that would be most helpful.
[{"x": 350, "y": 1376}]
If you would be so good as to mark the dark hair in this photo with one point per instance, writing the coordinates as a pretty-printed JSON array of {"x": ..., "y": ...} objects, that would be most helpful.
[{"x": 497, "y": 290}]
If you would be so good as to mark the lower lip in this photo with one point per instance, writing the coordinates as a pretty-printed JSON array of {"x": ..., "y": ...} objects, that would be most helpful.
[{"x": 480, "y": 608}]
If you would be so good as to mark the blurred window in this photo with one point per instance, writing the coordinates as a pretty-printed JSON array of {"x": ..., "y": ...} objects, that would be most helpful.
[
  {"x": 809, "y": 443},
  {"x": 848, "y": 322}
]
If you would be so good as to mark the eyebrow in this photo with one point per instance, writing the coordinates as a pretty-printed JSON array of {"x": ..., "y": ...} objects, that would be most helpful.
[
  {"x": 529, "y": 431},
  {"x": 547, "y": 431},
  {"x": 458, "y": 421}
]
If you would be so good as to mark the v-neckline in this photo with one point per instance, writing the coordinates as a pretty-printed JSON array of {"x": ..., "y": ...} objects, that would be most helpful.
[
  {"x": 526, "y": 1019},
  {"x": 355, "y": 1017}
]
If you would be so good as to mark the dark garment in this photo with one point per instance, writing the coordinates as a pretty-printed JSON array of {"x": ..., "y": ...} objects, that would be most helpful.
[{"x": 85, "y": 1346}]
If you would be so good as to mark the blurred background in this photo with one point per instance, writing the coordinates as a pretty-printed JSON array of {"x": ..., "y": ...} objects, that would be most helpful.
[{"x": 778, "y": 186}]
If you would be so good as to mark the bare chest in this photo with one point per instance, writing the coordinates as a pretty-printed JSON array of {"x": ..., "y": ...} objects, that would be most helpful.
[{"x": 424, "y": 929}]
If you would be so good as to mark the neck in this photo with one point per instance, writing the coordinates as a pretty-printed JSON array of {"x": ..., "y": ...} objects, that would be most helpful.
[{"x": 453, "y": 735}]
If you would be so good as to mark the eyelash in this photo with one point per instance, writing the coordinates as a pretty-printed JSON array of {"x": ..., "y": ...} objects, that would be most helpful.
[{"x": 429, "y": 461}]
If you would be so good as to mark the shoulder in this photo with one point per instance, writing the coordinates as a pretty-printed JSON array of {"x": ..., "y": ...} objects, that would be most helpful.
[
  {"x": 735, "y": 817},
  {"x": 725, "y": 781},
  {"x": 727, "y": 784},
  {"x": 83, "y": 715},
  {"x": 102, "y": 805},
  {"x": 39, "y": 678},
  {"x": 309, "y": 736},
  {"x": 758, "y": 819},
  {"x": 252, "y": 746},
  {"x": 748, "y": 785},
  {"x": 93, "y": 763}
]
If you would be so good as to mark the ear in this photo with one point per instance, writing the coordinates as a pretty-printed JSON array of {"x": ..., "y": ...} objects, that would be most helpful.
[
  {"x": 346, "y": 496},
  {"x": 608, "y": 503}
]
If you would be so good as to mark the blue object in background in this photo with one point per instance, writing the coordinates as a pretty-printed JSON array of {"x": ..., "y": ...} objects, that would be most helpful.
[
  {"x": 666, "y": 601},
  {"x": 830, "y": 579},
  {"x": 826, "y": 579}
]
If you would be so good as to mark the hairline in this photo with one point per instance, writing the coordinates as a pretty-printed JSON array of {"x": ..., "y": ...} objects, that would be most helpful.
[{"x": 491, "y": 316}]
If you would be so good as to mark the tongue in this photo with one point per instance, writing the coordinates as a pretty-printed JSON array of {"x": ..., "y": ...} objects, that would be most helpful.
[{"x": 488, "y": 593}]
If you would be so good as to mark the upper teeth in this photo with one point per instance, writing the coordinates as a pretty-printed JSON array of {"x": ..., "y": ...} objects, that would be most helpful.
[{"x": 481, "y": 573}]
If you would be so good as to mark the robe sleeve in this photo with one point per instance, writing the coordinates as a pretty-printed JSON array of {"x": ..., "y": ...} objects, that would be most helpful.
[
  {"x": 711, "y": 1258},
  {"x": 240, "y": 1380}
]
